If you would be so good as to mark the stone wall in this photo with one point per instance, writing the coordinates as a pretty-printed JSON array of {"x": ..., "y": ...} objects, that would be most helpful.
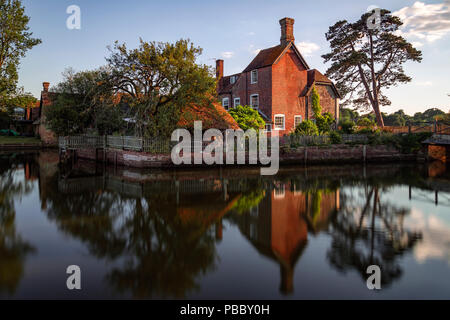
[{"x": 311, "y": 155}]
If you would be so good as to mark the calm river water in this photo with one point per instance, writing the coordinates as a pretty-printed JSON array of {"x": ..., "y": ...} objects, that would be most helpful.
[{"x": 306, "y": 233}]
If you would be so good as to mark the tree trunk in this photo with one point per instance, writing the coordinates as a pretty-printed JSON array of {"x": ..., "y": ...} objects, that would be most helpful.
[{"x": 376, "y": 102}]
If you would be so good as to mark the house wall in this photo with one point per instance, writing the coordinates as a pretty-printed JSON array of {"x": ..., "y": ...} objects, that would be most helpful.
[
  {"x": 327, "y": 101},
  {"x": 47, "y": 136},
  {"x": 288, "y": 84},
  {"x": 243, "y": 89}
]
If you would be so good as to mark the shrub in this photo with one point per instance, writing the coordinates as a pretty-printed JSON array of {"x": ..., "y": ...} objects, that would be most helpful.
[
  {"x": 335, "y": 137},
  {"x": 307, "y": 128},
  {"x": 324, "y": 122},
  {"x": 247, "y": 118},
  {"x": 347, "y": 126},
  {"x": 365, "y": 122}
]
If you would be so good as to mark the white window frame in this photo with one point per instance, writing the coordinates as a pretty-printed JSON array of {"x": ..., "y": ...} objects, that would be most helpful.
[
  {"x": 233, "y": 79},
  {"x": 234, "y": 102},
  {"x": 254, "y": 76},
  {"x": 274, "y": 122},
  {"x": 295, "y": 118},
  {"x": 279, "y": 193},
  {"x": 268, "y": 125},
  {"x": 228, "y": 103},
  {"x": 251, "y": 96}
]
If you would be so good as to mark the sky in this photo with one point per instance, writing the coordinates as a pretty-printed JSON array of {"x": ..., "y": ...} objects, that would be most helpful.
[{"x": 233, "y": 30}]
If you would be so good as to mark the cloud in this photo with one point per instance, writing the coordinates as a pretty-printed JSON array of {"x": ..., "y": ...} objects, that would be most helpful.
[
  {"x": 424, "y": 83},
  {"x": 428, "y": 22},
  {"x": 307, "y": 48},
  {"x": 227, "y": 54},
  {"x": 253, "y": 50},
  {"x": 251, "y": 33},
  {"x": 435, "y": 243},
  {"x": 417, "y": 44}
]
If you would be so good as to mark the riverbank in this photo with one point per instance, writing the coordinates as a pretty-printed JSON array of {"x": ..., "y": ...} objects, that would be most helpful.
[
  {"x": 302, "y": 155},
  {"x": 19, "y": 143}
]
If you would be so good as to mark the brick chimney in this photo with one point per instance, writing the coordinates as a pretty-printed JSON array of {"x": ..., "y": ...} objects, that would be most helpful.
[
  {"x": 287, "y": 31},
  {"x": 46, "y": 85},
  {"x": 219, "y": 69}
]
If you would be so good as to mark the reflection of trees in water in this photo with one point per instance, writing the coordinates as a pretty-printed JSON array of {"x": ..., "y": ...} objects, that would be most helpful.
[
  {"x": 155, "y": 251},
  {"x": 370, "y": 233},
  {"x": 13, "y": 249}
]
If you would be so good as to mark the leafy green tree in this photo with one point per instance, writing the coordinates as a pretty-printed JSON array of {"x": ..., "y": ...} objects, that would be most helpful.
[
  {"x": 307, "y": 128},
  {"x": 15, "y": 41},
  {"x": 364, "y": 61},
  {"x": 84, "y": 100},
  {"x": 347, "y": 126},
  {"x": 346, "y": 113},
  {"x": 365, "y": 122},
  {"x": 247, "y": 118},
  {"x": 158, "y": 79}
]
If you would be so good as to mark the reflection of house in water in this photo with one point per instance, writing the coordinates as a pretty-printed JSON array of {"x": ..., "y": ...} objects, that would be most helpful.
[{"x": 278, "y": 227}]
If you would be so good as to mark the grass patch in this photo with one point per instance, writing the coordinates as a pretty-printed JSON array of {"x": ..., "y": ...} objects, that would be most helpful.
[{"x": 5, "y": 140}]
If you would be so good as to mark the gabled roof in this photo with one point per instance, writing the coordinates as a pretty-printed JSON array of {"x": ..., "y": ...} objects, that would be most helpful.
[
  {"x": 225, "y": 84},
  {"x": 270, "y": 56},
  {"x": 315, "y": 77}
]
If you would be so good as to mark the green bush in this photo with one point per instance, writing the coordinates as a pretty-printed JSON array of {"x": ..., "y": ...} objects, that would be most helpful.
[
  {"x": 365, "y": 122},
  {"x": 335, "y": 137},
  {"x": 307, "y": 128},
  {"x": 247, "y": 118},
  {"x": 324, "y": 122},
  {"x": 347, "y": 126}
]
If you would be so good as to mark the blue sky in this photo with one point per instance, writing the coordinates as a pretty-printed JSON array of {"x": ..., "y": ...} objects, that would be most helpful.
[{"x": 232, "y": 30}]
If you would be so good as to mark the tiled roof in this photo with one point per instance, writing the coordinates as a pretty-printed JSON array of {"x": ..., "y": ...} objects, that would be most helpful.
[
  {"x": 225, "y": 84},
  {"x": 212, "y": 116},
  {"x": 315, "y": 75},
  {"x": 265, "y": 58}
]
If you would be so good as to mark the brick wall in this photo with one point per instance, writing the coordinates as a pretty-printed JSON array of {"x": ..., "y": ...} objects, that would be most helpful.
[
  {"x": 288, "y": 84},
  {"x": 327, "y": 100},
  {"x": 47, "y": 136},
  {"x": 330, "y": 154}
]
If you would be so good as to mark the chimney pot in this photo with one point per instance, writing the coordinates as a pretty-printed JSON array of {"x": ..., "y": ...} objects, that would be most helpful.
[
  {"x": 46, "y": 85},
  {"x": 287, "y": 31},
  {"x": 219, "y": 69}
]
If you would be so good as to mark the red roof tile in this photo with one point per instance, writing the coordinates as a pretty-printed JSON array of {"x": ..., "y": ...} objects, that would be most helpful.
[{"x": 265, "y": 58}]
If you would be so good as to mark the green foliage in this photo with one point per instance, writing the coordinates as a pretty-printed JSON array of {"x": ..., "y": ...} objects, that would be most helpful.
[
  {"x": 85, "y": 101},
  {"x": 365, "y": 122},
  {"x": 249, "y": 201},
  {"x": 324, "y": 122},
  {"x": 406, "y": 143},
  {"x": 335, "y": 137},
  {"x": 444, "y": 118},
  {"x": 348, "y": 114},
  {"x": 16, "y": 40},
  {"x": 377, "y": 55},
  {"x": 159, "y": 79},
  {"x": 307, "y": 128},
  {"x": 316, "y": 107},
  {"x": 347, "y": 126},
  {"x": 247, "y": 118}
]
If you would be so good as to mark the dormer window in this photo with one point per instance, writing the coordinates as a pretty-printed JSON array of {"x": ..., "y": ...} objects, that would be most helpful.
[
  {"x": 233, "y": 79},
  {"x": 254, "y": 76}
]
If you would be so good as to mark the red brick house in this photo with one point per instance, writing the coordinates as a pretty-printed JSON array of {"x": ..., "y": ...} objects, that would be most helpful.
[{"x": 278, "y": 82}]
